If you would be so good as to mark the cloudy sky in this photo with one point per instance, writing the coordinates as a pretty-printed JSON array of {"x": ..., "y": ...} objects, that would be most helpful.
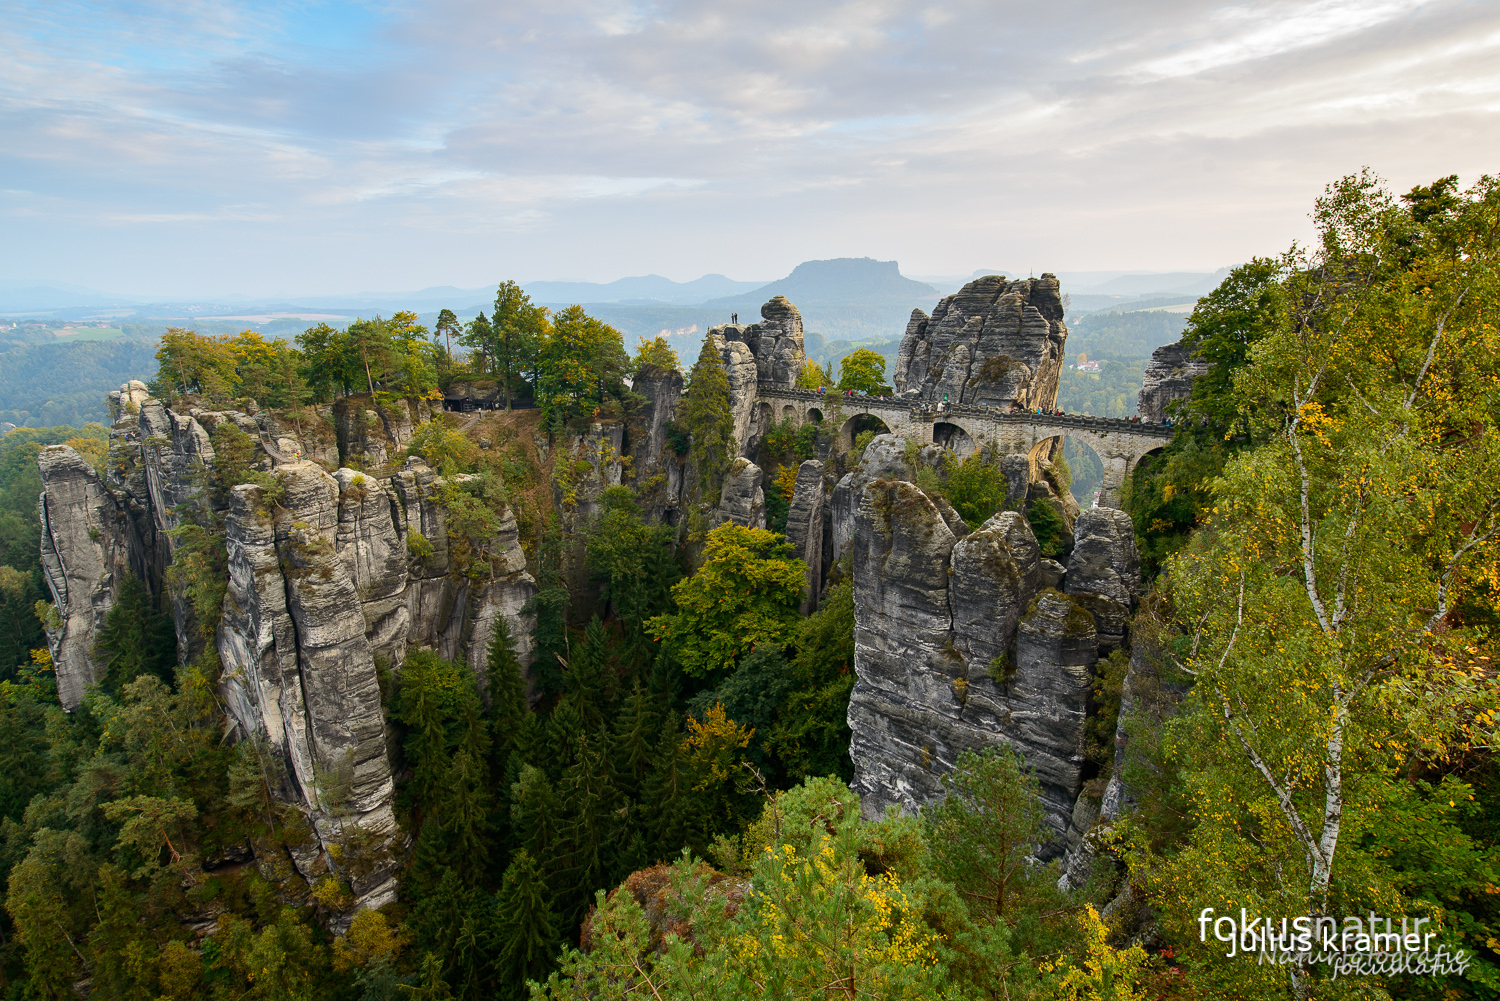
[{"x": 201, "y": 147}]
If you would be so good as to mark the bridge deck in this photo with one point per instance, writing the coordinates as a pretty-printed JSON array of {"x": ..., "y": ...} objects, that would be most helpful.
[{"x": 1063, "y": 424}]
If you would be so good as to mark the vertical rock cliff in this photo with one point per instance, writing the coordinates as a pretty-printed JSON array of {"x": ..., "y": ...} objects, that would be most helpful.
[
  {"x": 332, "y": 576},
  {"x": 960, "y": 642}
]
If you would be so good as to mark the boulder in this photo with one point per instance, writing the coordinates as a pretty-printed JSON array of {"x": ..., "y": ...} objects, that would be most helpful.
[{"x": 776, "y": 343}]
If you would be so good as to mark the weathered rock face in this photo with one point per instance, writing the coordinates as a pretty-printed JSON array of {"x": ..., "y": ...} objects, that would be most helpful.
[
  {"x": 656, "y": 467},
  {"x": 884, "y": 458},
  {"x": 369, "y": 435},
  {"x": 804, "y": 527},
  {"x": 775, "y": 343},
  {"x": 299, "y": 671},
  {"x": 84, "y": 557},
  {"x": 342, "y": 574},
  {"x": 963, "y": 642},
  {"x": 1105, "y": 560},
  {"x": 1104, "y": 571},
  {"x": 741, "y": 499},
  {"x": 994, "y": 342},
  {"x": 1169, "y": 376},
  {"x": 739, "y": 367}
]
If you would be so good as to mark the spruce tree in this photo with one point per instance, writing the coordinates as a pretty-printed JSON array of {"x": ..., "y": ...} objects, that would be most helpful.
[
  {"x": 589, "y": 802},
  {"x": 527, "y": 935},
  {"x": 591, "y": 676},
  {"x": 466, "y": 816},
  {"x": 507, "y": 687},
  {"x": 634, "y": 741},
  {"x": 665, "y": 795},
  {"x": 535, "y": 813}
]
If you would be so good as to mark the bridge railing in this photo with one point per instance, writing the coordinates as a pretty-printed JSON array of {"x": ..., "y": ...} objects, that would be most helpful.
[{"x": 1083, "y": 422}]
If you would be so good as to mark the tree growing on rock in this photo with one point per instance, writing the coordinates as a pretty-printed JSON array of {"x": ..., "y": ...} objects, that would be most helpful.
[{"x": 708, "y": 421}]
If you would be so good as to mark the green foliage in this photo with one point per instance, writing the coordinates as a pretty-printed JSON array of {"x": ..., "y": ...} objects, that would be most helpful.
[
  {"x": 976, "y": 487},
  {"x": 814, "y": 376},
  {"x": 746, "y": 593},
  {"x": 528, "y": 936},
  {"x": 581, "y": 367},
  {"x": 136, "y": 639},
  {"x": 1320, "y": 603},
  {"x": 984, "y": 831},
  {"x": 655, "y": 352},
  {"x": 509, "y": 344},
  {"x": 810, "y": 735},
  {"x": 1048, "y": 526},
  {"x": 705, "y": 416},
  {"x": 863, "y": 371},
  {"x": 634, "y": 562},
  {"x": 443, "y": 447}
]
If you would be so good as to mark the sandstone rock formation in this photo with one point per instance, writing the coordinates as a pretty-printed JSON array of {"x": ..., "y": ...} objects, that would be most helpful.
[
  {"x": 804, "y": 528},
  {"x": 299, "y": 671},
  {"x": 1169, "y": 376},
  {"x": 330, "y": 576},
  {"x": 740, "y": 368},
  {"x": 656, "y": 467},
  {"x": 962, "y": 641},
  {"x": 84, "y": 559},
  {"x": 775, "y": 343},
  {"x": 741, "y": 500},
  {"x": 994, "y": 342}
]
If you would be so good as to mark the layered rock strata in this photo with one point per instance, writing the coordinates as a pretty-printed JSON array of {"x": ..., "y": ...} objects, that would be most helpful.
[
  {"x": 330, "y": 577},
  {"x": 741, "y": 498},
  {"x": 804, "y": 527},
  {"x": 963, "y": 641},
  {"x": 1169, "y": 376},
  {"x": 995, "y": 342}
]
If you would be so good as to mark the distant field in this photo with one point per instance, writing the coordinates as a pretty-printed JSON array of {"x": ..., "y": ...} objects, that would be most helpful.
[{"x": 75, "y": 334}]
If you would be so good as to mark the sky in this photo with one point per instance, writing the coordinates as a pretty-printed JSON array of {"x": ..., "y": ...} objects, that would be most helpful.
[{"x": 202, "y": 147}]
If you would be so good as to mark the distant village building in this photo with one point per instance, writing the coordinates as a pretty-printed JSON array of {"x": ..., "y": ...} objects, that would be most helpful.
[{"x": 1084, "y": 365}]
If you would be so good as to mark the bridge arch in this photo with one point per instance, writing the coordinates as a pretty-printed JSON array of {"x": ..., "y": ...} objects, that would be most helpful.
[
  {"x": 857, "y": 424},
  {"x": 813, "y": 416},
  {"x": 955, "y": 438}
]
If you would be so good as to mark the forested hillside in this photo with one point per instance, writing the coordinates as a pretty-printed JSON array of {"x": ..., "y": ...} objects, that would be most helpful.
[{"x": 382, "y": 701}]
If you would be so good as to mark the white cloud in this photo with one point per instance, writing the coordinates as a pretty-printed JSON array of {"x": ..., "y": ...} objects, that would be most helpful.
[{"x": 294, "y": 152}]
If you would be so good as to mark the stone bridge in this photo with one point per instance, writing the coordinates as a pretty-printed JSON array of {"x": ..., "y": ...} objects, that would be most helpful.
[{"x": 1120, "y": 444}]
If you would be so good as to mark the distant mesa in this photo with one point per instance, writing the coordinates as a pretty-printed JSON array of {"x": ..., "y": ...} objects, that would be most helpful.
[{"x": 840, "y": 280}]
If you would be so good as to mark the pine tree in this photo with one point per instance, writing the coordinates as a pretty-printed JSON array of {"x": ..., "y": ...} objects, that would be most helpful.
[{"x": 528, "y": 933}]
